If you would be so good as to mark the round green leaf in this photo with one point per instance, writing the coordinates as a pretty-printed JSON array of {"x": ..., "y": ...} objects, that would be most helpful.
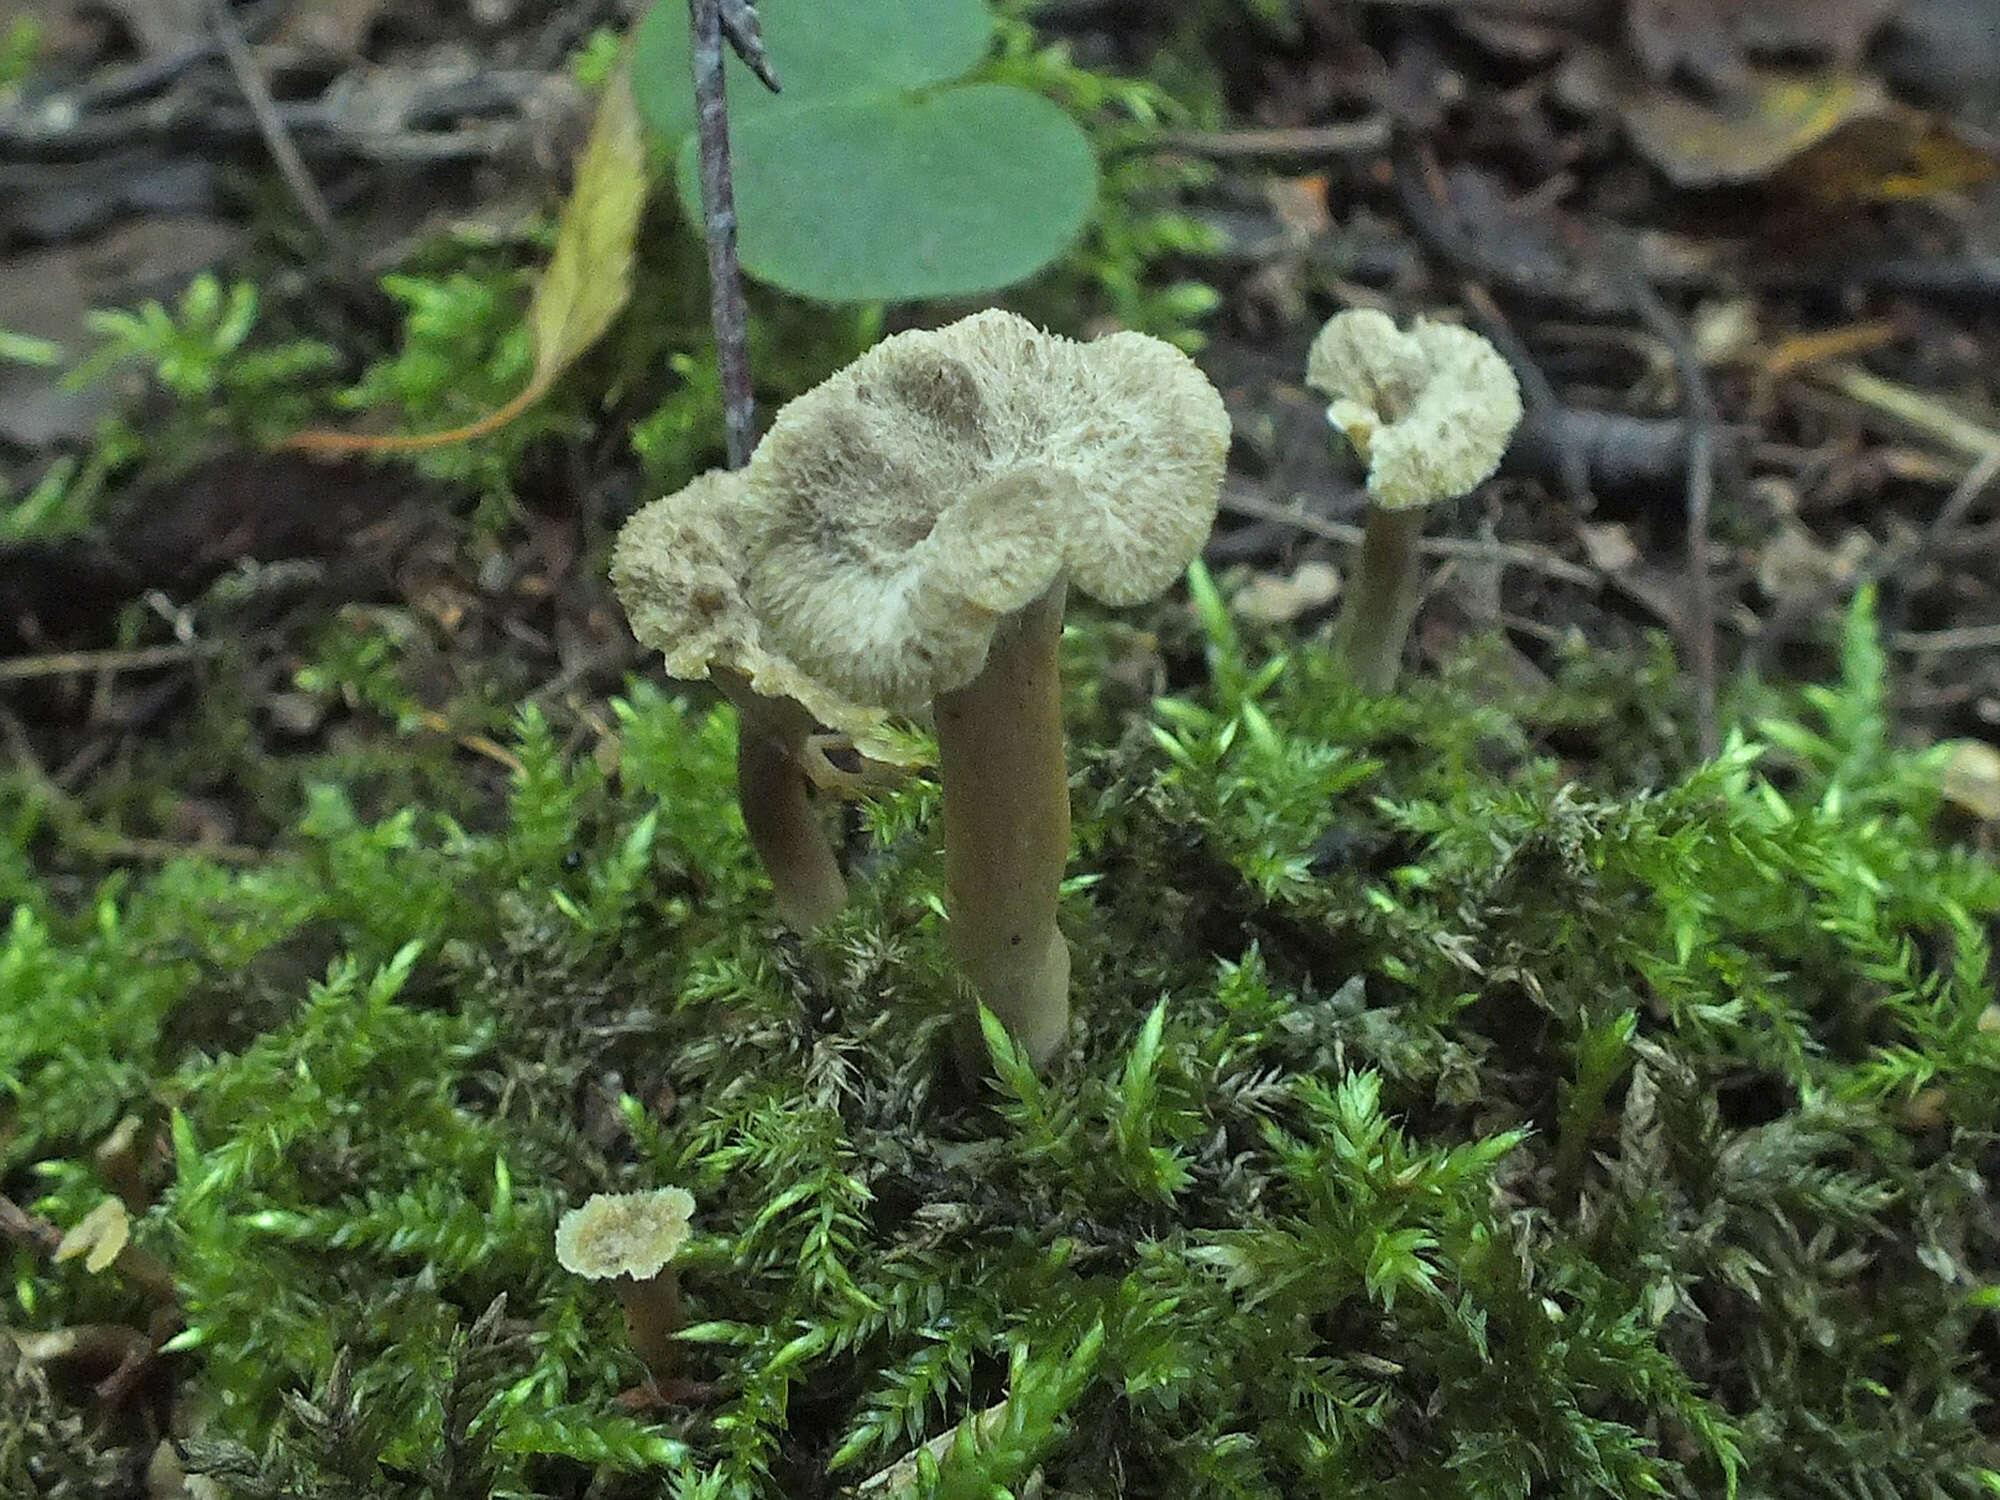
[
  {"x": 822, "y": 50},
  {"x": 893, "y": 199}
]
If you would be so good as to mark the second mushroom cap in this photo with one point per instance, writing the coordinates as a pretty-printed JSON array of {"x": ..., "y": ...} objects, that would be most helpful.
[{"x": 1430, "y": 411}]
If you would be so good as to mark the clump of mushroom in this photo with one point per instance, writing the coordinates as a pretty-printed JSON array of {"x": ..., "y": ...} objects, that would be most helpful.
[
  {"x": 1431, "y": 413},
  {"x": 908, "y": 532},
  {"x": 631, "y": 1239}
]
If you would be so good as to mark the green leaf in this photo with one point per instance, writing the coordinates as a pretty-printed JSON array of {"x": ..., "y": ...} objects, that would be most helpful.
[
  {"x": 822, "y": 50},
  {"x": 865, "y": 180},
  {"x": 892, "y": 199}
]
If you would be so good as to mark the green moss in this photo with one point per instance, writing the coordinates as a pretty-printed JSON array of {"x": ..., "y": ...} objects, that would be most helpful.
[{"x": 1442, "y": 1123}]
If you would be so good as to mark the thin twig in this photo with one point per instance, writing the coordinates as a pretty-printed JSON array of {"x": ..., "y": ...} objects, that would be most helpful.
[
  {"x": 1910, "y": 408},
  {"x": 718, "y": 210},
  {"x": 1959, "y": 638},
  {"x": 386, "y": 114},
  {"x": 1969, "y": 492},
  {"x": 1572, "y": 464},
  {"x": 1506, "y": 554},
  {"x": 1533, "y": 10},
  {"x": 1698, "y": 406},
  {"x": 265, "y": 109},
  {"x": 69, "y": 820},
  {"x": 24, "y": 1228},
  {"x": 69, "y": 663},
  {"x": 903, "y": 1478},
  {"x": 745, "y": 34},
  {"x": 1360, "y": 137}
]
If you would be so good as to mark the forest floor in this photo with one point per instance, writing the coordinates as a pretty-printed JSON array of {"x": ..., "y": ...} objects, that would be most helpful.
[
  {"x": 1685, "y": 248},
  {"x": 1745, "y": 262}
]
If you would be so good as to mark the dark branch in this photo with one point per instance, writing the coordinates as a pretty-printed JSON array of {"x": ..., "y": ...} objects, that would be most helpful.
[
  {"x": 1699, "y": 412},
  {"x": 746, "y": 36},
  {"x": 718, "y": 208}
]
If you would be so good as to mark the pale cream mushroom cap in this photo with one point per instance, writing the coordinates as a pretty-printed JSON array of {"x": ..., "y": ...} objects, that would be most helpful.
[
  {"x": 624, "y": 1234},
  {"x": 1431, "y": 411},
  {"x": 100, "y": 1236},
  {"x": 678, "y": 570},
  {"x": 896, "y": 514}
]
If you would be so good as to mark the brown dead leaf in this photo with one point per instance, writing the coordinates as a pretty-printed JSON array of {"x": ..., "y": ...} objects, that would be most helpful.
[
  {"x": 1898, "y": 153},
  {"x": 1796, "y": 569},
  {"x": 1300, "y": 204},
  {"x": 47, "y": 293},
  {"x": 1529, "y": 39},
  {"x": 94, "y": 1346},
  {"x": 1833, "y": 132},
  {"x": 1536, "y": 246},
  {"x": 1701, "y": 143},
  {"x": 329, "y": 28},
  {"x": 1716, "y": 39}
]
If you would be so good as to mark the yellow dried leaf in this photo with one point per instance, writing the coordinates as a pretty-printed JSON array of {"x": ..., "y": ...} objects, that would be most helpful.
[
  {"x": 590, "y": 275},
  {"x": 1779, "y": 115},
  {"x": 586, "y": 285}
]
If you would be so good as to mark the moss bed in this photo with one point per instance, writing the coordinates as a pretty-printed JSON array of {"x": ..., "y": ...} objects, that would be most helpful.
[{"x": 1468, "y": 1097}]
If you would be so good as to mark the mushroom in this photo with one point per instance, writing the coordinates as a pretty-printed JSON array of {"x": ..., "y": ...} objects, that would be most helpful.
[
  {"x": 632, "y": 1239},
  {"x": 1430, "y": 412},
  {"x": 678, "y": 569},
  {"x": 103, "y": 1239},
  {"x": 910, "y": 528}
]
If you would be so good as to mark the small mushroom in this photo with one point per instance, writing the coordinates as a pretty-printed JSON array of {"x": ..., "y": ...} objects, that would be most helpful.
[
  {"x": 1430, "y": 412},
  {"x": 632, "y": 1239},
  {"x": 103, "y": 1239},
  {"x": 677, "y": 569},
  {"x": 910, "y": 528}
]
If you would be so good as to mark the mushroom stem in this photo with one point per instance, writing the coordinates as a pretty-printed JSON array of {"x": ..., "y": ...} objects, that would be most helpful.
[
  {"x": 652, "y": 1318},
  {"x": 1006, "y": 831},
  {"x": 771, "y": 787},
  {"x": 1375, "y": 620}
]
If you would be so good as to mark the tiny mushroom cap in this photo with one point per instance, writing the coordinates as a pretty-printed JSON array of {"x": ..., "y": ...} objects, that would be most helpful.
[
  {"x": 624, "y": 1234},
  {"x": 100, "y": 1236},
  {"x": 1431, "y": 411},
  {"x": 678, "y": 570},
  {"x": 896, "y": 514}
]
